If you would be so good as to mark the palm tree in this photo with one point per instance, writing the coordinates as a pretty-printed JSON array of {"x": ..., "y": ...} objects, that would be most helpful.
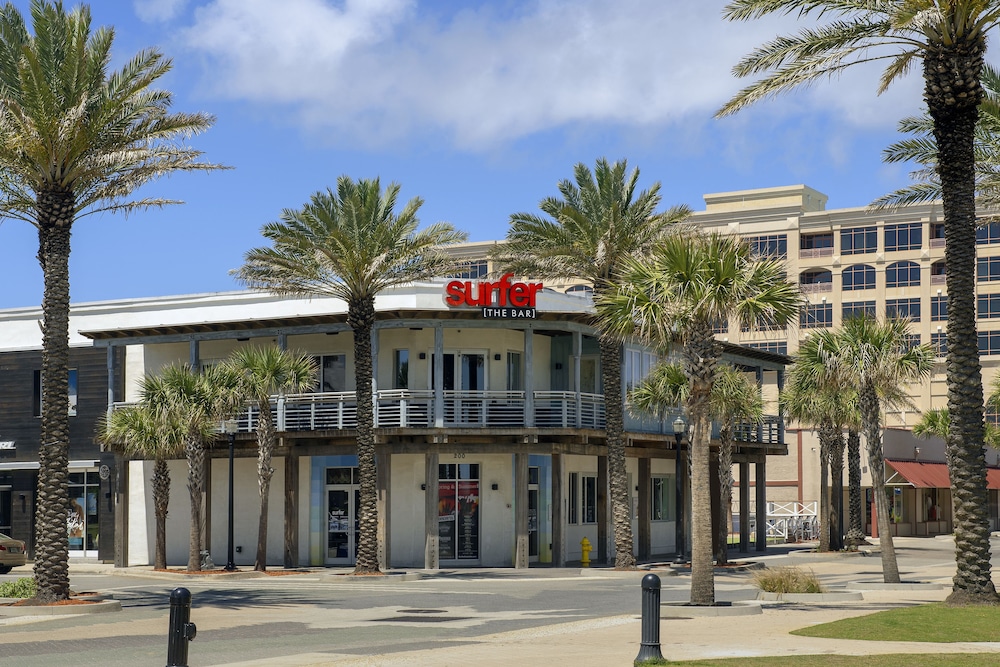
[
  {"x": 936, "y": 422},
  {"x": 76, "y": 139},
  {"x": 352, "y": 245},
  {"x": 876, "y": 357},
  {"x": 949, "y": 40},
  {"x": 674, "y": 296},
  {"x": 140, "y": 431},
  {"x": 198, "y": 402},
  {"x": 264, "y": 371},
  {"x": 598, "y": 221}
]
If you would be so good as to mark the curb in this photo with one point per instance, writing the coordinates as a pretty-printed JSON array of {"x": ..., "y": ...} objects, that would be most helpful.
[
  {"x": 685, "y": 610},
  {"x": 850, "y": 596},
  {"x": 902, "y": 586},
  {"x": 98, "y": 607}
]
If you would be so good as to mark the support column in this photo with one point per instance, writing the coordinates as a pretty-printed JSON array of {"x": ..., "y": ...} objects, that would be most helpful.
[
  {"x": 781, "y": 412},
  {"x": 111, "y": 378},
  {"x": 529, "y": 377},
  {"x": 383, "y": 482},
  {"x": 760, "y": 475},
  {"x": 193, "y": 356},
  {"x": 645, "y": 526},
  {"x": 744, "y": 507},
  {"x": 577, "y": 354},
  {"x": 439, "y": 390},
  {"x": 431, "y": 555},
  {"x": 206, "y": 505},
  {"x": 120, "y": 475},
  {"x": 602, "y": 509},
  {"x": 521, "y": 510},
  {"x": 558, "y": 512},
  {"x": 282, "y": 341},
  {"x": 374, "y": 341},
  {"x": 680, "y": 480},
  {"x": 291, "y": 550}
]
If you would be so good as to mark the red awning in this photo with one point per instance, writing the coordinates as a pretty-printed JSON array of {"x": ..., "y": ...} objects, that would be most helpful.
[{"x": 930, "y": 475}]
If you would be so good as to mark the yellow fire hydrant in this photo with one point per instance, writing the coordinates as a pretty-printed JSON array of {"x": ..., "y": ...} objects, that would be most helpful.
[{"x": 586, "y": 549}]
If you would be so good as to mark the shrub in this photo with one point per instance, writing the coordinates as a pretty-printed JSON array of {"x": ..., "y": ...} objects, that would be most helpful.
[
  {"x": 787, "y": 580},
  {"x": 19, "y": 588}
]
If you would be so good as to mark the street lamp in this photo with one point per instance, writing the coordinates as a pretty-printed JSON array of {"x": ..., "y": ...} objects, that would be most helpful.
[
  {"x": 680, "y": 426},
  {"x": 230, "y": 427}
]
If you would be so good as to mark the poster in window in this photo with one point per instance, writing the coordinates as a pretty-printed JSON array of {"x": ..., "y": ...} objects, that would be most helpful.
[
  {"x": 468, "y": 519},
  {"x": 446, "y": 520}
]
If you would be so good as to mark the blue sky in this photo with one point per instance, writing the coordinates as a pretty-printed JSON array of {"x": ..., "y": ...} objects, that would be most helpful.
[{"x": 479, "y": 107}]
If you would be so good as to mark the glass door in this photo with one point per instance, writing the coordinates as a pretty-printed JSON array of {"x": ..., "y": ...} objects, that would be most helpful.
[
  {"x": 458, "y": 512},
  {"x": 343, "y": 505},
  {"x": 81, "y": 522},
  {"x": 533, "y": 514}
]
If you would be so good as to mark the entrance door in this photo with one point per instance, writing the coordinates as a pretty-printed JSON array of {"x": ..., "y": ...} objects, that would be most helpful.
[
  {"x": 81, "y": 522},
  {"x": 464, "y": 371},
  {"x": 343, "y": 505},
  {"x": 589, "y": 374},
  {"x": 533, "y": 514},
  {"x": 458, "y": 512}
]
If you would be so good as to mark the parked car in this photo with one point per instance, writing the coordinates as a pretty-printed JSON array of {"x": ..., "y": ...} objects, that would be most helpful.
[{"x": 11, "y": 553}]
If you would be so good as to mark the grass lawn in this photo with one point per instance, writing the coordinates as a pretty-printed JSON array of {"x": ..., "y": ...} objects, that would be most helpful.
[
  {"x": 889, "y": 660},
  {"x": 923, "y": 623}
]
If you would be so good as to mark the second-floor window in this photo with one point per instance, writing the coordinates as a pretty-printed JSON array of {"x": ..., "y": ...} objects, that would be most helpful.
[
  {"x": 769, "y": 245},
  {"x": 472, "y": 270},
  {"x": 816, "y": 315},
  {"x": 400, "y": 369},
  {"x": 36, "y": 402}
]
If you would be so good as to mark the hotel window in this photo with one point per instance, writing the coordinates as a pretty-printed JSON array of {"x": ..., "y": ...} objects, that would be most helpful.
[
  {"x": 937, "y": 232},
  {"x": 764, "y": 323},
  {"x": 988, "y": 269},
  {"x": 816, "y": 241},
  {"x": 816, "y": 315},
  {"x": 902, "y": 274},
  {"x": 988, "y": 234},
  {"x": 912, "y": 341},
  {"x": 637, "y": 365},
  {"x": 775, "y": 346},
  {"x": 859, "y": 276},
  {"x": 858, "y": 240},
  {"x": 720, "y": 326},
  {"x": 989, "y": 342},
  {"x": 903, "y": 237},
  {"x": 582, "y": 495},
  {"x": 939, "y": 343},
  {"x": 580, "y": 290},
  {"x": 471, "y": 270},
  {"x": 574, "y": 498},
  {"x": 400, "y": 369},
  {"x": 663, "y": 495},
  {"x": 903, "y": 308},
  {"x": 939, "y": 308},
  {"x": 36, "y": 402},
  {"x": 858, "y": 309},
  {"x": 816, "y": 277},
  {"x": 988, "y": 306},
  {"x": 770, "y": 245}
]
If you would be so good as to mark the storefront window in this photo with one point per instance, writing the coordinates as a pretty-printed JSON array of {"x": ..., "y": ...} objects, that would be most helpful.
[
  {"x": 458, "y": 511},
  {"x": 663, "y": 498}
]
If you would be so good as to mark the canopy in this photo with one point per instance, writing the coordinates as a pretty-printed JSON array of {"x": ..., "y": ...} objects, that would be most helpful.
[{"x": 930, "y": 475}]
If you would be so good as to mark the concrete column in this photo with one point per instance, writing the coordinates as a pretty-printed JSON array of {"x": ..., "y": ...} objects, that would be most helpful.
[
  {"x": 120, "y": 475},
  {"x": 438, "y": 390},
  {"x": 291, "y": 549},
  {"x": 645, "y": 485},
  {"x": 603, "y": 515},
  {"x": 383, "y": 482},
  {"x": 558, "y": 513},
  {"x": 760, "y": 475},
  {"x": 529, "y": 378},
  {"x": 577, "y": 354},
  {"x": 521, "y": 510},
  {"x": 744, "y": 507},
  {"x": 431, "y": 555}
]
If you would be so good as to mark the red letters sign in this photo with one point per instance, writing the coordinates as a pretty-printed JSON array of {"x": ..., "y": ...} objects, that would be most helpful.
[{"x": 499, "y": 299}]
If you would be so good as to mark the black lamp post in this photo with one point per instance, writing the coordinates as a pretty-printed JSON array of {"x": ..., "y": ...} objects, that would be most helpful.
[
  {"x": 680, "y": 426},
  {"x": 230, "y": 427}
]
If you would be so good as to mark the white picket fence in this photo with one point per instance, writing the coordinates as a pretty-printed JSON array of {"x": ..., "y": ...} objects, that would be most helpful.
[{"x": 788, "y": 522}]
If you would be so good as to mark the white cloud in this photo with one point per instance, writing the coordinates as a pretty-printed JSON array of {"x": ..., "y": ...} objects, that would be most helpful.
[
  {"x": 152, "y": 11},
  {"x": 377, "y": 70}
]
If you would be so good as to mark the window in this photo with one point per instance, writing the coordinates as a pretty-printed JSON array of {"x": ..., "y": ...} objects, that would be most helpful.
[
  {"x": 939, "y": 308},
  {"x": 514, "y": 381},
  {"x": 663, "y": 496},
  {"x": 937, "y": 232},
  {"x": 912, "y": 341},
  {"x": 859, "y": 276},
  {"x": 903, "y": 308},
  {"x": 902, "y": 274},
  {"x": 580, "y": 290},
  {"x": 588, "y": 498},
  {"x": 903, "y": 237},
  {"x": 776, "y": 346},
  {"x": 987, "y": 269},
  {"x": 989, "y": 342},
  {"x": 471, "y": 270},
  {"x": 858, "y": 309},
  {"x": 332, "y": 373},
  {"x": 858, "y": 240},
  {"x": 574, "y": 498},
  {"x": 401, "y": 369},
  {"x": 988, "y": 234},
  {"x": 816, "y": 241},
  {"x": 816, "y": 277},
  {"x": 988, "y": 306},
  {"x": 637, "y": 365},
  {"x": 36, "y": 402},
  {"x": 720, "y": 326},
  {"x": 939, "y": 343},
  {"x": 816, "y": 315},
  {"x": 939, "y": 270},
  {"x": 764, "y": 323},
  {"x": 770, "y": 245}
]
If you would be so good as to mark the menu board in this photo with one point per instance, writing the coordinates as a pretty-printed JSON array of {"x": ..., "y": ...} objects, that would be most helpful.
[{"x": 446, "y": 520}]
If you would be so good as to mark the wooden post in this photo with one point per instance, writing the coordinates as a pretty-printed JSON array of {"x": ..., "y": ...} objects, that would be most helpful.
[
  {"x": 645, "y": 526},
  {"x": 760, "y": 478},
  {"x": 383, "y": 482},
  {"x": 602, "y": 509},
  {"x": 521, "y": 510},
  {"x": 291, "y": 555},
  {"x": 744, "y": 506},
  {"x": 431, "y": 555},
  {"x": 558, "y": 513}
]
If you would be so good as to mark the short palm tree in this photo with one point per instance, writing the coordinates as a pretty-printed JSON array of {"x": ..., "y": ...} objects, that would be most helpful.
[
  {"x": 674, "y": 297},
  {"x": 197, "y": 402},
  {"x": 263, "y": 372},
  {"x": 949, "y": 40},
  {"x": 138, "y": 431},
  {"x": 877, "y": 358},
  {"x": 75, "y": 139},
  {"x": 351, "y": 244},
  {"x": 598, "y": 221}
]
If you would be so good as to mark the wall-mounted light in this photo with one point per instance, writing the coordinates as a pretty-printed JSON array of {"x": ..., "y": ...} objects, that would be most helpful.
[
  {"x": 939, "y": 291},
  {"x": 423, "y": 487},
  {"x": 558, "y": 367},
  {"x": 496, "y": 357},
  {"x": 423, "y": 355},
  {"x": 916, "y": 453},
  {"x": 495, "y": 486}
]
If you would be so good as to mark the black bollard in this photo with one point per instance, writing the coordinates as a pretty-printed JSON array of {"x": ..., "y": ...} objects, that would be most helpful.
[
  {"x": 650, "y": 648},
  {"x": 181, "y": 630}
]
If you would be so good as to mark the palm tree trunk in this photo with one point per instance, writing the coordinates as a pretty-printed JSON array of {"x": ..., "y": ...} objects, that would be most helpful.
[
  {"x": 725, "y": 490},
  {"x": 195, "y": 453},
  {"x": 161, "y": 499},
  {"x": 614, "y": 413},
  {"x": 855, "y": 527},
  {"x": 870, "y": 417},
  {"x": 55, "y": 218},
  {"x": 265, "y": 449},
  {"x": 953, "y": 92},
  {"x": 361, "y": 318},
  {"x": 825, "y": 433},
  {"x": 837, "y": 486}
]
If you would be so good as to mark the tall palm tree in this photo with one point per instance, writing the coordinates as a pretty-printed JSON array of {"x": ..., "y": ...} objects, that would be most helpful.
[
  {"x": 949, "y": 40},
  {"x": 198, "y": 402},
  {"x": 735, "y": 400},
  {"x": 140, "y": 431},
  {"x": 674, "y": 297},
  {"x": 352, "y": 245},
  {"x": 75, "y": 139},
  {"x": 263, "y": 372},
  {"x": 876, "y": 357},
  {"x": 598, "y": 221}
]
